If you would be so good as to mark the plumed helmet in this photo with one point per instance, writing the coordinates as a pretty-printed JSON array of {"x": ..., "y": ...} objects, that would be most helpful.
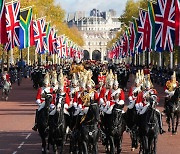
[
  {"x": 46, "y": 79},
  {"x": 174, "y": 75},
  {"x": 116, "y": 83},
  {"x": 147, "y": 84},
  {"x": 74, "y": 79},
  {"x": 137, "y": 81}
]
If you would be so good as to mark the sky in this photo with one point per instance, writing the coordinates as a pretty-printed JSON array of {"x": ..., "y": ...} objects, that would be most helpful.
[{"x": 86, "y": 5}]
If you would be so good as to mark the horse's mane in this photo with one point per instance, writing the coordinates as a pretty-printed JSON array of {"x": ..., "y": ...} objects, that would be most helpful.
[{"x": 175, "y": 97}]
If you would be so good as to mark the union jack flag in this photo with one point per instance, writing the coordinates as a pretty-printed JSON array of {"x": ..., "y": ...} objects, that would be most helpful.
[
  {"x": 12, "y": 24},
  {"x": 144, "y": 31},
  {"x": 52, "y": 41},
  {"x": 165, "y": 25},
  {"x": 121, "y": 47},
  {"x": 177, "y": 5},
  {"x": 126, "y": 43},
  {"x": 133, "y": 36},
  {"x": 60, "y": 46},
  {"x": 39, "y": 27}
]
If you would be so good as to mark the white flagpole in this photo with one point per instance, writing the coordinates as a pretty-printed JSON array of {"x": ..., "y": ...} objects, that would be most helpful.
[
  {"x": 53, "y": 58},
  {"x": 144, "y": 57},
  {"x": 171, "y": 60},
  {"x": 160, "y": 59},
  {"x": 135, "y": 56},
  {"x": 11, "y": 57},
  {"x": 139, "y": 58},
  {"x": 149, "y": 57},
  {"x": 56, "y": 58},
  {"x": 28, "y": 56}
]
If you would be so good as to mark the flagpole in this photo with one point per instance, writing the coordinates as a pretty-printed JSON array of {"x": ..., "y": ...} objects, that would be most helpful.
[
  {"x": 171, "y": 60},
  {"x": 149, "y": 57},
  {"x": 59, "y": 60},
  {"x": 35, "y": 57},
  {"x": 134, "y": 58},
  {"x": 28, "y": 57},
  {"x": 56, "y": 58},
  {"x": 53, "y": 58},
  {"x": 11, "y": 57},
  {"x": 139, "y": 58},
  {"x": 160, "y": 59}
]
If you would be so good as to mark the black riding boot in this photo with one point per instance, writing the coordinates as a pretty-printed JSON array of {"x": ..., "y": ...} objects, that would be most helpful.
[
  {"x": 35, "y": 126},
  {"x": 165, "y": 104},
  {"x": 160, "y": 122}
]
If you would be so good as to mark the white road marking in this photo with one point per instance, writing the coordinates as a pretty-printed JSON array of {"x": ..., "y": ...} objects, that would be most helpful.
[
  {"x": 20, "y": 145},
  {"x": 28, "y": 136},
  {"x": 14, "y": 152}
]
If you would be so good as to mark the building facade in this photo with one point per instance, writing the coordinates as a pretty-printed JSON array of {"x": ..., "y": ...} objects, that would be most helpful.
[{"x": 97, "y": 29}]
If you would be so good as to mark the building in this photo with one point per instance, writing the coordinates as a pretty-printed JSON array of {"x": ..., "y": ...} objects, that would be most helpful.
[{"x": 97, "y": 29}]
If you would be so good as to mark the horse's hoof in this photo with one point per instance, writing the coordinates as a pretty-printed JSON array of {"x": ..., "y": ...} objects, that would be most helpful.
[
  {"x": 174, "y": 133},
  {"x": 132, "y": 149}
]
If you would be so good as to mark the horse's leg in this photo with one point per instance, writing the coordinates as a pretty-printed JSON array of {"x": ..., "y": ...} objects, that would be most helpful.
[
  {"x": 134, "y": 142},
  {"x": 112, "y": 146},
  {"x": 177, "y": 122},
  {"x": 119, "y": 145},
  {"x": 172, "y": 119},
  {"x": 145, "y": 145},
  {"x": 95, "y": 148},
  {"x": 155, "y": 145},
  {"x": 6, "y": 94},
  {"x": 168, "y": 122},
  {"x": 43, "y": 144},
  {"x": 85, "y": 149}
]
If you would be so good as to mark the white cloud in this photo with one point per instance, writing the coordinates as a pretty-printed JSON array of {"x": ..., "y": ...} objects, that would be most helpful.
[{"x": 87, "y": 5}]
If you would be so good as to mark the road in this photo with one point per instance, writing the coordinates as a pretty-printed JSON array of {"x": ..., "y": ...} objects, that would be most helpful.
[{"x": 17, "y": 119}]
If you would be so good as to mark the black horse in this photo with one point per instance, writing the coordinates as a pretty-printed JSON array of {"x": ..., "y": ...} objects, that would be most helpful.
[
  {"x": 37, "y": 78},
  {"x": 131, "y": 122},
  {"x": 114, "y": 125},
  {"x": 42, "y": 121},
  {"x": 173, "y": 111},
  {"x": 148, "y": 130},
  {"x": 89, "y": 129},
  {"x": 57, "y": 125}
]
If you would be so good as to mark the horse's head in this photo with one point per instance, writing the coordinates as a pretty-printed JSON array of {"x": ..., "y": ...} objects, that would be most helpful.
[
  {"x": 48, "y": 99},
  {"x": 93, "y": 113},
  {"x": 153, "y": 100},
  {"x": 60, "y": 102}
]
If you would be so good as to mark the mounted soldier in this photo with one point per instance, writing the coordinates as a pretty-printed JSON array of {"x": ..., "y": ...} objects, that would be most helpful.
[
  {"x": 133, "y": 92},
  {"x": 40, "y": 97},
  {"x": 170, "y": 88},
  {"x": 6, "y": 76},
  {"x": 105, "y": 94},
  {"x": 143, "y": 102}
]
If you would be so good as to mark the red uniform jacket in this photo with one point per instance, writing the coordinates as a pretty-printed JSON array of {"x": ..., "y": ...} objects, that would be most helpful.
[
  {"x": 40, "y": 92},
  {"x": 121, "y": 95}
]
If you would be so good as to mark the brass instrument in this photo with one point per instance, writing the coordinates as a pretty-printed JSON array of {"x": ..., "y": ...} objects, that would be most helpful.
[
  {"x": 170, "y": 86},
  {"x": 76, "y": 68},
  {"x": 86, "y": 98}
]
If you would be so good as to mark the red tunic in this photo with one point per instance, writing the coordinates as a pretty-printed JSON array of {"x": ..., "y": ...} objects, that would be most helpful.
[
  {"x": 121, "y": 95},
  {"x": 40, "y": 92},
  {"x": 101, "y": 78},
  {"x": 140, "y": 99}
]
